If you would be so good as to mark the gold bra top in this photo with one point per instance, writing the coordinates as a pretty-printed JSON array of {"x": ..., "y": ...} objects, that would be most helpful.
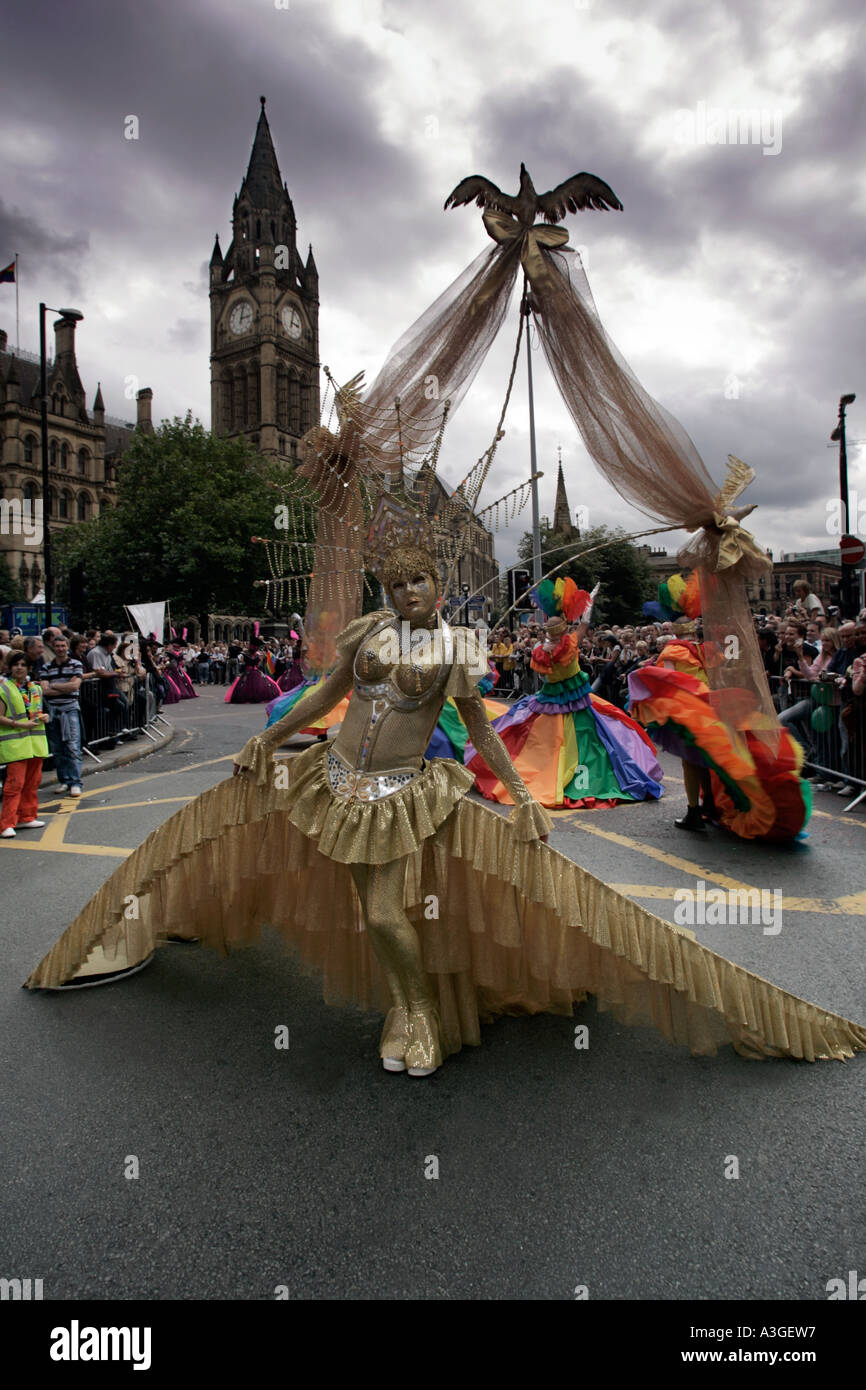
[
  {"x": 397, "y": 695},
  {"x": 408, "y": 668}
]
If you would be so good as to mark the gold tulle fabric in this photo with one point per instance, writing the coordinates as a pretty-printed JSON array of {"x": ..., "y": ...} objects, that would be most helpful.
[{"x": 507, "y": 925}]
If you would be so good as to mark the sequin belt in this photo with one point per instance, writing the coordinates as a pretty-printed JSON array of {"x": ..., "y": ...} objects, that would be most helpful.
[{"x": 346, "y": 782}]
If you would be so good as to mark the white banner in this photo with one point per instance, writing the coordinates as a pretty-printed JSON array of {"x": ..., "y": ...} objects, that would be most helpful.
[{"x": 149, "y": 618}]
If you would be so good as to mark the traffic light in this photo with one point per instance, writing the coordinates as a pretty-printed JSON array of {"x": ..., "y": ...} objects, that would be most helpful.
[{"x": 520, "y": 583}]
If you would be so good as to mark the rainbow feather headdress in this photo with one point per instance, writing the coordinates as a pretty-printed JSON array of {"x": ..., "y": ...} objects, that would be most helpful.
[
  {"x": 561, "y": 598},
  {"x": 677, "y": 598}
]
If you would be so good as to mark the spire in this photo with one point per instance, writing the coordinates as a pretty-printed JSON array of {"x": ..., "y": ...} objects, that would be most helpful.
[
  {"x": 310, "y": 267},
  {"x": 98, "y": 405},
  {"x": 263, "y": 185},
  {"x": 217, "y": 256},
  {"x": 562, "y": 523}
]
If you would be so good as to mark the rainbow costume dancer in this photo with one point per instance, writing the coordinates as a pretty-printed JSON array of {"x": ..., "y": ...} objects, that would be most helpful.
[
  {"x": 570, "y": 747},
  {"x": 748, "y": 785}
]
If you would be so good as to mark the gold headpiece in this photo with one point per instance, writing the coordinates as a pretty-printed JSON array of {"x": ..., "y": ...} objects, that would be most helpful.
[{"x": 399, "y": 541}]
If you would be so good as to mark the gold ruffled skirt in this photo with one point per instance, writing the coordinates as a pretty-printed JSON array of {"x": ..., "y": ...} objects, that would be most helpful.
[{"x": 507, "y": 925}]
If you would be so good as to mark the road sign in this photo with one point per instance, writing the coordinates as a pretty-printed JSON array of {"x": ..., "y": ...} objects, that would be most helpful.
[{"x": 852, "y": 550}]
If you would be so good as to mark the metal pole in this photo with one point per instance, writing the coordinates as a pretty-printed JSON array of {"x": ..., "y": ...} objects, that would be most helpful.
[
  {"x": 848, "y": 584},
  {"x": 46, "y": 509},
  {"x": 536, "y": 525},
  {"x": 843, "y": 464}
]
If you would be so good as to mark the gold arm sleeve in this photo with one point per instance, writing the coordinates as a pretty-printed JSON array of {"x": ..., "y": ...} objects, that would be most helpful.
[
  {"x": 528, "y": 820},
  {"x": 256, "y": 754}
]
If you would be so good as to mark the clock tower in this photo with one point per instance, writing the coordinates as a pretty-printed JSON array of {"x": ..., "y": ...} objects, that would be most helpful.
[{"x": 264, "y": 315}]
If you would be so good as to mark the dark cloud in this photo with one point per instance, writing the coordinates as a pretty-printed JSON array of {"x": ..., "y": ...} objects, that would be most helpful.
[{"x": 776, "y": 241}]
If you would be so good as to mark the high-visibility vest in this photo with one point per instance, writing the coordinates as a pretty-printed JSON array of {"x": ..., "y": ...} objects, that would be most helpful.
[{"x": 15, "y": 703}]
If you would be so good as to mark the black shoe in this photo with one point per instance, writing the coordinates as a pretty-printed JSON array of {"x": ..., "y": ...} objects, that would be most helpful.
[
  {"x": 710, "y": 811},
  {"x": 183, "y": 940},
  {"x": 692, "y": 820}
]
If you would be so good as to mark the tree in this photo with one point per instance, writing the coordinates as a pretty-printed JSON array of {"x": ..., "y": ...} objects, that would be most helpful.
[
  {"x": 626, "y": 579},
  {"x": 188, "y": 505},
  {"x": 10, "y": 592}
]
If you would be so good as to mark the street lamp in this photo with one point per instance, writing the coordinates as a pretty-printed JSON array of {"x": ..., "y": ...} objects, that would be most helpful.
[
  {"x": 76, "y": 316},
  {"x": 838, "y": 436}
]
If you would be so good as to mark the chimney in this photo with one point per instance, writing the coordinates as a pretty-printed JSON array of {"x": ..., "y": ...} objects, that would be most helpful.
[
  {"x": 143, "y": 399},
  {"x": 64, "y": 341},
  {"x": 4, "y": 338}
]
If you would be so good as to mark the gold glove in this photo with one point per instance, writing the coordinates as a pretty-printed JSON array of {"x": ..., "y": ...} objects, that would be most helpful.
[{"x": 528, "y": 820}]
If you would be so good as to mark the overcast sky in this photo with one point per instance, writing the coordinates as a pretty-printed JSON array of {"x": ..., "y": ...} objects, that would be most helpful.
[{"x": 732, "y": 282}]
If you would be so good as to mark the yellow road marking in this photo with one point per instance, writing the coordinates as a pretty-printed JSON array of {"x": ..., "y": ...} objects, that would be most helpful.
[
  {"x": 673, "y": 861},
  {"x": 113, "y": 850},
  {"x": 131, "y": 805}
]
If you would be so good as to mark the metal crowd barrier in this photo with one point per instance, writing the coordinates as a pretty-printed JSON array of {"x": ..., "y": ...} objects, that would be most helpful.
[
  {"x": 832, "y": 730},
  {"x": 105, "y": 718}
]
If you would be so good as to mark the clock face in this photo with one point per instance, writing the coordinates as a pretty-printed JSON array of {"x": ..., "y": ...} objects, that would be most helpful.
[
  {"x": 291, "y": 321},
  {"x": 241, "y": 318}
]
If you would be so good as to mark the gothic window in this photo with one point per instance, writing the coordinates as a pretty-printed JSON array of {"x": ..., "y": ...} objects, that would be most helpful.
[
  {"x": 65, "y": 499},
  {"x": 252, "y": 397},
  {"x": 54, "y": 410},
  {"x": 29, "y": 492},
  {"x": 228, "y": 411},
  {"x": 52, "y": 502},
  {"x": 239, "y": 400},
  {"x": 294, "y": 404},
  {"x": 82, "y": 462},
  {"x": 30, "y": 448},
  {"x": 283, "y": 399},
  {"x": 306, "y": 394},
  {"x": 258, "y": 229},
  {"x": 294, "y": 451},
  {"x": 282, "y": 444},
  {"x": 83, "y": 506},
  {"x": 64, "y": 455},
  {"x": 52, "y": 453},
  {"x": 104, "y": 505},
  {"x": 273, "y": 230}
]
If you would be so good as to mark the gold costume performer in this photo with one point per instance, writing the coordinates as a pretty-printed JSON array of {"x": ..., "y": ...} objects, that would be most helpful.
[{"x": 403, "y": 893}]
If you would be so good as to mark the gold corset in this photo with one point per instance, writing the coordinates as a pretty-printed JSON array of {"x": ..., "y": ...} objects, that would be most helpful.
[{"x": 397, "y": 696}]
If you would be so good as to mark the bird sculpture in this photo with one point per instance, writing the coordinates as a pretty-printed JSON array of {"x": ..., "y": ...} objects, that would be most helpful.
[{"x": 574, "y": 195}]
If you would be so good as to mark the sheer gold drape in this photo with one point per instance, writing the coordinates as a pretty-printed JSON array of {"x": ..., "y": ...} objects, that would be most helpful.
[{"x": 639, "y": 447}]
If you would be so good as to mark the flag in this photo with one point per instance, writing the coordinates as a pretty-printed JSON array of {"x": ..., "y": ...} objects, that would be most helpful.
[
  {"x": 271, "y": 664},
  {"x": 7, "y": 275}
]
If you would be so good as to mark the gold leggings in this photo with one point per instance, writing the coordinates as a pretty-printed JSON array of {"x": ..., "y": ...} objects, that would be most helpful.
[{"x": 395, "y": 941}]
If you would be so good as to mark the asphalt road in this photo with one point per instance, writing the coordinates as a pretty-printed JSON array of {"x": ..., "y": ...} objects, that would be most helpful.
[{"x": 311, "y": 1168}]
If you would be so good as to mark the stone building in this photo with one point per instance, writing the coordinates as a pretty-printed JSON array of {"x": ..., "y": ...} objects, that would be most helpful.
[
  {"x": 84, "y": 451},
  {"x": 264, "y": 304}
]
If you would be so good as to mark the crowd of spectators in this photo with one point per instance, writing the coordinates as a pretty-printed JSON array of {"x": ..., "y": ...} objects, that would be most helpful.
[
  {"x": 217, "y": 663},
  {"x": 60, "y": 663}
]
